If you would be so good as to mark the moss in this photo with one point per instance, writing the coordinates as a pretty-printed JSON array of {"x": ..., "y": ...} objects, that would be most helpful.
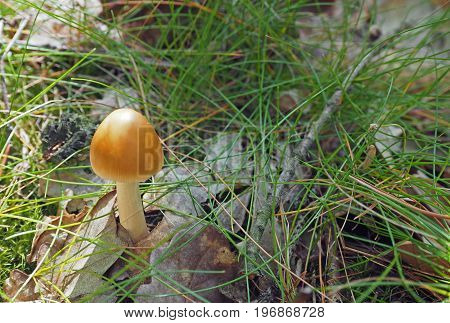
[{"x": 67, "y": 137}]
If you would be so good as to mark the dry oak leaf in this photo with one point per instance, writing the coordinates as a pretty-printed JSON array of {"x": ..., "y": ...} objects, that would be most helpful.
[
  {"x": 46, "y": 236},
  {"x": 190, "y": 268},
  {"x": 78, "y": 256},
  {"x": 14, "y": 290},
  {"x": 98, "y": 243}
]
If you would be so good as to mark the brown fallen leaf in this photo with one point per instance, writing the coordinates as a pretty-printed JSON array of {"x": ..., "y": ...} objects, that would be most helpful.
[
  {"x": 414, "y": 256},
  {"x": 46, "y": 237},
  {"x": 190, "y": 268},
  {"x": 96, "y": 245},
  {"x": 18, "y": 280},
  {"x": 142, "y": 26},
  {"x": 71, "y": 261},
  {"x": 289, "y": 100},
  {"x": 441, "y": 3}
]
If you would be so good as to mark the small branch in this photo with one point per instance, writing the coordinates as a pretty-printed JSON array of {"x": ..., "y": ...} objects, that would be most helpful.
[
  {"x": 11, "y": 43},
  {"x": 2, "y": 25},
  {"x": 301, "y": 154}
]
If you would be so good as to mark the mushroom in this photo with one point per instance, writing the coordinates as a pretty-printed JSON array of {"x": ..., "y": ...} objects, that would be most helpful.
[{"x": 126, "y": 149}]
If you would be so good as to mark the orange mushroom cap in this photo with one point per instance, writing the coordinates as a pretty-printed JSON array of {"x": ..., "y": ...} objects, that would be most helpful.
[{"x": 125, "y": 148}]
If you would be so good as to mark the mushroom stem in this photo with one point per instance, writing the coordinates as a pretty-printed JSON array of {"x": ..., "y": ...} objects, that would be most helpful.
[{"x": 131, "y": 213}]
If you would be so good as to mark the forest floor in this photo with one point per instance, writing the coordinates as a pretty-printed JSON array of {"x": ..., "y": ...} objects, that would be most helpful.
[{"x": 307, "y": 142}]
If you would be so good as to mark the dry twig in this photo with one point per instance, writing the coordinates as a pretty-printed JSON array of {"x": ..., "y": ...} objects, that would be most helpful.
[
  {"x": 301, "y": 154},
  {"x": 8, "y": 47}
]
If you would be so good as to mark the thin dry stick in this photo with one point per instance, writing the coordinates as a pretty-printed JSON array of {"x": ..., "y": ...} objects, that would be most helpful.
[
  {"x": 2, "y": 24},
  {"x": 11, "y": 43},
  {"x": 235, "y": 222},
  {"x": 301, "y": 154},
  {"x": 400, "y": 201}
]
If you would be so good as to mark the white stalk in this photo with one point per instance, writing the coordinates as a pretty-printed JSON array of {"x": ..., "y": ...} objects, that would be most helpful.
[{"x": 131, "y": 213}]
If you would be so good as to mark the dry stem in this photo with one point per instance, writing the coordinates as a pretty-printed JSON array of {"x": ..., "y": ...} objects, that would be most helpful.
[
  {"x": 301, "y": 154},
  {"x": 11, "y": 43}
]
